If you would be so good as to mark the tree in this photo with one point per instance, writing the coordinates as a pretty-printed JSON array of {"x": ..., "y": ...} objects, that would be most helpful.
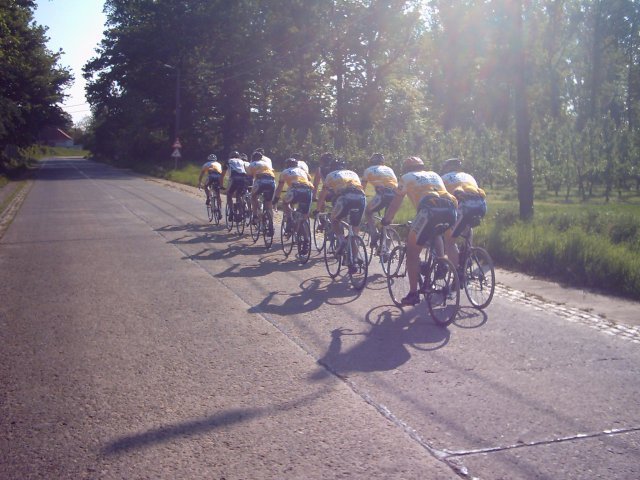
[{"x": 32, "y": 81}]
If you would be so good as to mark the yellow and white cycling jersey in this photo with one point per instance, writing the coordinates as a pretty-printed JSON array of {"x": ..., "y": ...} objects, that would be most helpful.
[
  {"x": 417, "y": 185},
  {"x": 211, "y": 167},
  {"x": 295, "y": 175},
  {"x": 260, "y": 167},
  {"x": 303, "y": 165},
  {"x": 380, "y": 176},
  {"x": 341, "y": 180},
  {"x": 460, "y": 181}
]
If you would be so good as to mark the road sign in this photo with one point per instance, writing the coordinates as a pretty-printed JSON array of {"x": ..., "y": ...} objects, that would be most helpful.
[
  {"x": 176, "y": 144},
  {"x": 176, "y": 153}
]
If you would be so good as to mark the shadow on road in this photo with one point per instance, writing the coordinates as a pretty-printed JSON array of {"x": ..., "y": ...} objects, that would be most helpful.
[
  {"x": 314, "y": 292},
  {"x": 204, "y": 425},
  {"x": 469, "y": 317},
  {"x": 384, "y": 346}
]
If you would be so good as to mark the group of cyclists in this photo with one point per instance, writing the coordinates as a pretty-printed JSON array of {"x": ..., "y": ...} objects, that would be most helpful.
[{"x": 448, "y": 197}]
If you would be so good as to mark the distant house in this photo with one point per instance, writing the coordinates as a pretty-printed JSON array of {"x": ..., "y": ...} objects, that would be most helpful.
[{"x": 55, "y": 137}]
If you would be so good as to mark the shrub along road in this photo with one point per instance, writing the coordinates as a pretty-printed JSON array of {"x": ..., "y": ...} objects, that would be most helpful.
[{"x": 139, "y": 341}]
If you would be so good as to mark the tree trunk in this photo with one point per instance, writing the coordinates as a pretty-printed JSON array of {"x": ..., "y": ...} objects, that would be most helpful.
[{"x": 523, "y": 125}]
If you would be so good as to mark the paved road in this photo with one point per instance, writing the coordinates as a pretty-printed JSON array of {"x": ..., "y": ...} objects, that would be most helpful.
[{"x": 140, "y": 342}]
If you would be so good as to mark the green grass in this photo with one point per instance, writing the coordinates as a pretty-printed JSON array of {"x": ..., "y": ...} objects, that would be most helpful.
[{"x": 39, "y": 152}]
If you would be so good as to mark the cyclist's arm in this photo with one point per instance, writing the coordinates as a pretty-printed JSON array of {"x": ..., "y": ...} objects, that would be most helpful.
[
  {"x": 278, "y": 191},
  {"x": 200, "y": 178},
  {"x": 321, "y": 200},
  {"x": 395, "y": 205},
  {"x": 316, "y": 182},
  {"x": 224, "y": 173}
]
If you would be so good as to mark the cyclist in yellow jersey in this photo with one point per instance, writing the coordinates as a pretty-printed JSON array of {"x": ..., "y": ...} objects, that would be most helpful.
[
  {"x": 434, "y": 205},
  {"x": 472, "y": 204},
  {"x": 299, "y": 187},
  {"x": 345, "y": 187},
  {"x": 213, "y": 169},
  {"x": 384, "y": 180},
  {"x": 264, "y": 181}
]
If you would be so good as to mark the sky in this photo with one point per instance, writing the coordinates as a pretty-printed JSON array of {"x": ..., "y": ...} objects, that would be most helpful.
[{"x": 76, "y": 27}]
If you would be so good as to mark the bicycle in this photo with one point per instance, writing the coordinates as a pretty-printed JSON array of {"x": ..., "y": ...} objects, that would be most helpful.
[
  {"x": 296, "y": 230},
  {"x": 214, "y": 212},
  {"x": 318, "y": 233},
  {"x": 239, "y": 215},
  {"x": 353, "y": 255},
  {"x": 438, "y": 280},
  {"x": 261, "y": 223},
  {"x": 475, "y": 270},
  {"x": 388, "y": 239}
]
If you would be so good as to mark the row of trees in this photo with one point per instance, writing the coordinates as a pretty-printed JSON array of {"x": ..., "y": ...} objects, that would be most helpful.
[
  {"x": 32, "y": 83},
  {"x": 539, "y": 89}
]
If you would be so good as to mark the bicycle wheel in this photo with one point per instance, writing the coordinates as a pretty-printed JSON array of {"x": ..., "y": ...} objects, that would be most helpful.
[
  {"x": 239, "y": 217},
  {"x": 358, "y": 263},
  {"x": 228, "y": 217},
  {"x": 318, "y": 235},
  {"x": 267, "y": 228},
  {"x": 215, "y": 211},
  {"x": 366, "y": 238},
  {"x": 286, "y": 235},
  {"x": 255, "y": 226},
  {"x": 442, "y": 291},
  {"x": 479, "y": 278},
  {"x": 247, "y": 211},
  {"x": 397, "y": 276},
  {"x": 331, "y": 261},
  {"x": 303, "y": 241},
  {"x": 210, "y": 211},
  {"x": 389, "y": 240}
]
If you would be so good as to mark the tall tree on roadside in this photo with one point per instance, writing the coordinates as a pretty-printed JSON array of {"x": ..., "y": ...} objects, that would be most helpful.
[{"x": 32, "y": 81}]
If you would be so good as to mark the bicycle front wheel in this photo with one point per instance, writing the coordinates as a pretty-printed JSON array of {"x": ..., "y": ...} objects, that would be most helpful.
[
  {"x": 228, "y": 217},
  {"x": 331, "y": 261},
  {"x": 389, "y": 239},
  {"x": 318, "y": 235},
  {"x": 358, "y": 263},
  {"x": 479, "y": 278},
  {"x": 397, "y": 276},
  {"x": 267, "y": 228},
  {"x": 303, "y": 241},
  {"x": 442, "y": 291},
  {"x": 366, "y": 238}
]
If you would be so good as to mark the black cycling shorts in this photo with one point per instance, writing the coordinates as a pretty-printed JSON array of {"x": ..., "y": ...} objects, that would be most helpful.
[
  {"x": 266, "y": 186},
  {"x": 301, "y": 196},
  {"x": 351, "y": 203},
  {"x": 237, "y": 185},
  {"x": 382, "y": 199},
  {"x": 434, "y": 216},
  {"x": 213, "y": 180}
]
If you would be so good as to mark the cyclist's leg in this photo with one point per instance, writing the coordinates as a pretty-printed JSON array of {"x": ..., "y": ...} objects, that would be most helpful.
[
  {"x": 255, "y": 191},
  {"x": 373, "y": 207}
]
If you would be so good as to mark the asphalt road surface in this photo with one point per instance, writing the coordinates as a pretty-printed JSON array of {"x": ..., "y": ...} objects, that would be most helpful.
[{"x": 138, "y": 341}]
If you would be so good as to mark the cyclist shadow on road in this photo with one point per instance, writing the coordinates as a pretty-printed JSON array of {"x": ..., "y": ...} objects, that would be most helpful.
[
  {"x": 384, "y": 346},
  {"x": 265, "y": 265},
  {"x": 470, "y": 317},
  {"x": 314, "y": 292}
]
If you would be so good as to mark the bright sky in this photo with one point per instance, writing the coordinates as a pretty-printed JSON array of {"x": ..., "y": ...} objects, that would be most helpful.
[{"x": 76, "y": 27}]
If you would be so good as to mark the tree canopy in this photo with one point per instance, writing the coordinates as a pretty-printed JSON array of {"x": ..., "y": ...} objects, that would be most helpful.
[
  {"x": 32, "y": 81},
  {"x": 488, "y": 80}
]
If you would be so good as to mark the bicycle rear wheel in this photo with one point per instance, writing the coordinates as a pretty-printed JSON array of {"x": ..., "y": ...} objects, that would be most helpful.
[
  {"x": 228, "y": 217},
  {"x": 331, "y": 261},
  {"x": 397, "y": 276},
  {"x": 239, "y": 217},
  {"x": 303, "y": 241},
  {"x": 318, "y": 234},
  {"x": 255, "y": 227},
  {"x": 267, "y": 228},
  {"x": 389, "y": 239},
  {"x": 442, "y": 291},
  {"x": 215, "y": 210},
  {"x": 479, "y": 278},
  {"x": 358, "y": 263},
  {"x": 286, "y": 235}
]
